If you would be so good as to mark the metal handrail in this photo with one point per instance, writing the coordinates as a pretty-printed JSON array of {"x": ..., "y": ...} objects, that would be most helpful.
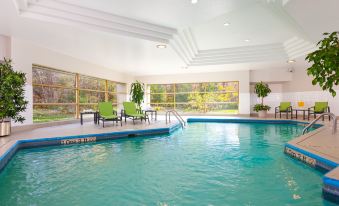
[
  {"x": 177, "y": 115},
  {"x": 334, "y": 126}
]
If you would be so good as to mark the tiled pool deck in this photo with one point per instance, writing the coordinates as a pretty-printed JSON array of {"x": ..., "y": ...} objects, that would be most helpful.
[{"x": 319, "y": 148}]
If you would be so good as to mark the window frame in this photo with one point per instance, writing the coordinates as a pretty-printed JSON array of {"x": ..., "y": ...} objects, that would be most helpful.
[{"x": 77, "y": 90}]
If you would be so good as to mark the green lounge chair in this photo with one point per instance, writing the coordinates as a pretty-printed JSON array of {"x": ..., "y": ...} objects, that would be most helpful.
[
  {"x": 319, "y": 108},
  {"x": 106, "y": 113},
  {"x": 285, "y": 107},
  {"x": 131, "y": 111}
]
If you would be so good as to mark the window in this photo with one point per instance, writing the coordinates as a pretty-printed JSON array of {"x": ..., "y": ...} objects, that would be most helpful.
[
  {"x": 211, "y": 97},
  {"x": 59, "y": 95}
]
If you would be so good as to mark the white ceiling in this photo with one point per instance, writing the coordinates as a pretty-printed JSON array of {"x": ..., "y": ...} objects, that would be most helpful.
[{"x": 122, "y": 34}]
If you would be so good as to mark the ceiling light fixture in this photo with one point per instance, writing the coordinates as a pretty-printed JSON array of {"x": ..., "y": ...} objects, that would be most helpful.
[
  {"x": 226, "y": 24},
  {"x": 246, "y": 40},
  {"x": 194, "y": 1},
  {"x": 291, "y": 61},
  {"x": 161, "y": 46}
]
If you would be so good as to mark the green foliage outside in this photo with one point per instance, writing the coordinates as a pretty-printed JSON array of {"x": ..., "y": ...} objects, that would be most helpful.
[
  {"x": 325, "y": 63},
  {"x": 262, "y": 90},
  {"x": 12, "y": 93},
  {"x": 210, "y": 98}
]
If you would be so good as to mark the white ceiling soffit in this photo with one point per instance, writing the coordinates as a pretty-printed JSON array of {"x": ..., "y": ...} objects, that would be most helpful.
[
  {"x": 64, "y": 13},
  {"x": 188, "y": 43}
]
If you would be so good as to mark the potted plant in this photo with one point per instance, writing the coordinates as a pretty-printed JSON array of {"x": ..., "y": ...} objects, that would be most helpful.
[
  {"x": 325, "y": 63},
  {"x": 262, "y": 90},
  {"x": 137, "y": 93},
  {"x": 12, "y": 96}
]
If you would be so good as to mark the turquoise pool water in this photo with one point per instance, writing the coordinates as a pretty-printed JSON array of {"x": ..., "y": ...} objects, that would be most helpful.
[{"x": 205, "y": 164}]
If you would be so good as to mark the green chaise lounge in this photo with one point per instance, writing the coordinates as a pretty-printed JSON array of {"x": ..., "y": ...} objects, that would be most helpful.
[
  {"x": 107, "y": 113},
  {"x": 319, "y": 108},
  {"x": 131, "y": 111},
  {"x": 285, "y": 107}
]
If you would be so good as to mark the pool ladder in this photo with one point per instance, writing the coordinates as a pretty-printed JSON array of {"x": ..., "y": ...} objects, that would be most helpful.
[
  {"x": 334, "y": 125},
  {"x": 177, "y": 115}
]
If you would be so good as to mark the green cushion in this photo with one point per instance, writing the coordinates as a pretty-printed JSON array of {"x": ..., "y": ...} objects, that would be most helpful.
[
  {"x": 320, "y": 107},
  {"x": 105, "y": 109},
  {"x": 109, "y": 116},
  {"x": 131, "y": 109},
  {"x": 284, "y": 106}
]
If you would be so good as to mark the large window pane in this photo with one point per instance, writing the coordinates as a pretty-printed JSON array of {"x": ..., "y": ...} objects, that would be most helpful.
[
  {"x": 111, "y": 86},
  {"x": 162, "y": 107},
  {"x": 181, "y": 88},
  {"x": 228, "y": 108},
  {"x": 210, "y": 97},
  {"x": 91, "y": 96},
  {"x": 48, "y": 113},
  {"x": 92, "y": 83},
  {"x": 53, "y": 77},
  {"x": 162, "y": 98},
  {"x": 112, "y": 97},
  {"x": 162, "y": 88},
  {"x": 53, "y": 95}
]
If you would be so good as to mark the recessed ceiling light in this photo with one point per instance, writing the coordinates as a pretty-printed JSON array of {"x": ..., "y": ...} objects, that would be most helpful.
[
  {"x": 194, "y": 1},
  {"x": 246, "y": 40},
  {"x": 161, "y": 46},
  {"x": 291, "y": 61},
  {"x": 226, "y": 24}
]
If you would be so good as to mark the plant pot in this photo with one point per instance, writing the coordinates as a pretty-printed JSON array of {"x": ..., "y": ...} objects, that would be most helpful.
[
  {"x": 262, "y": 114},
  {"x": 5, "y": 128}
]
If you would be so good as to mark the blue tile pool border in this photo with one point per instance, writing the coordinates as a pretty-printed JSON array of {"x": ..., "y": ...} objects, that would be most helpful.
[{"x": 51, "y": 141}]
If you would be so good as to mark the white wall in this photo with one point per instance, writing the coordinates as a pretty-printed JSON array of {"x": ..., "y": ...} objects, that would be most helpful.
[
  {"x": 298, "y": 88},
  {"x": 24, "y": 54},
  {"x": 271, "y": 75},
  {"x": 5, "y": 47},
  {"x": 242, "y": 76}
]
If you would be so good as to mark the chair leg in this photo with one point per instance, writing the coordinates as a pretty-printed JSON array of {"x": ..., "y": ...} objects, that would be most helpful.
[
  {"x": 103, "y": 123},
  {"x": 280, "y": 115},
  {"x": 323, "y": 118},
  {"x": 286, "y": 115},
  {"x": 133, "y": 121},
  {"x": 275, "y": 114}
]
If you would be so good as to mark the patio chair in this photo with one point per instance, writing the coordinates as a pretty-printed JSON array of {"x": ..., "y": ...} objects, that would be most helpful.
[
  {"x": 131, "y": 111},
  {"x": 319, "y": 108},
  {"x": 106, "y": 113},
  {"x": 285, "y": 107}
]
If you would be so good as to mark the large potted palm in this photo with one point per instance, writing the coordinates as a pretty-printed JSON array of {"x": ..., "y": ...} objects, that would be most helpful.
[
  {"x": 262, "y": 90},
  {"x": 12, "y": 96},
  {"x": 137, "y": 93}
]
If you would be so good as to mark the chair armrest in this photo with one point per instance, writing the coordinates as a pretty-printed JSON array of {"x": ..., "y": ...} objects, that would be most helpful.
[
  {"x": 115, "y": 112},
  {"x": 277, "y": 108},
  {"x": 328, "y": 109},
  {"x": 290, "y": 108}
]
